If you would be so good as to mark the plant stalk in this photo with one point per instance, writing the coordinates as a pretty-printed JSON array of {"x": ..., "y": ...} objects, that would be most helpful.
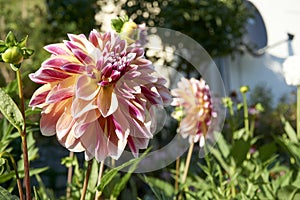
[
  {"x": 69, "y": 178},
  {"x": 98, "y": 194},
  {"x": 23, "y": 136},
  {"x": 298, "y": 112},
  {"x": 16, "y": 172},
  {"x": 187, "y": 162},
  {"x": 177, "y": 174},
  {"x": 86, "y": 180},
  {"x": 246, "y": 116}
]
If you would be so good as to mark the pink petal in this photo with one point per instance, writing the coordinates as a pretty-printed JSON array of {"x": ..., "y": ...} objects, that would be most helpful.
[
  {"x": 64, "y": 125},
  {"x": 73, "y": 68},
  {"x": 50, "y": 117},
  {"x": 93, "y": 37},
  {"x": 80, "y": 107},
  {"x": 121, "y": 125},
  {"x": 86, "y": 88},
  {"x": 58, "y": 49},
  {"x": 71, "y": 143},
  {"x": 83, "y": 57},
  {"x": 43, "y": 76},
  {"x": 59, "y": 95},
  {"x": 94, "y": 142},
  {"x": 115, "y": 146},
  {"x": 107, "y": 101},
  {"x": 39, "y": 96}
]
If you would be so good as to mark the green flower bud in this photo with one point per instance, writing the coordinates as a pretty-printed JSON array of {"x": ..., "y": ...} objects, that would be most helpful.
[
  {"x": 244, "y": 89},
  {"x": 13, "y": 55},
  {"x": 127, "y": 31}
]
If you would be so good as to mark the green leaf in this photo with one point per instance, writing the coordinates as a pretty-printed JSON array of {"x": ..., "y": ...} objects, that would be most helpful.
[
  {"x": 10, "y": 39},
  {"x": 289, "y": 130},
  {"x": 223, "y": 145},
  {"x": 93, "y": 176},
  {"x": 266, "y": 151},
  {"x": 5, "y": 195},
  {"x": 107, "y": 177},
  {"x": 11, "y": 111},
  {"x": 240, "y": 150},
  {"x": 23, "y": 42},
  {"x": 122, "y": 183},
  {"x": 288, "y": 192},
  {"x": 160, "y": 186},
  {"x": 3, "y": 48}
]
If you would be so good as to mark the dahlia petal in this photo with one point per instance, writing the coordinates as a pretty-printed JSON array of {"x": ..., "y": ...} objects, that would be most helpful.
[
  {"x": 94, "y": 142},
  {"x": 39, "y": 96},
  {"x": 93, "y": 37},
  {"x": 80, "y": 107},
  {"x": 58, "y": 61},
  {"x": 50, "y": 117},
  {"x": 152, "y": 95},
  {"x": 71, "y": 143},
  {"x": 107, "y": 101},
  {"x": 83, "y": 57},
  {"x": 59, "y": 95},
  {"x": 115, "y": 146},
  {"x": 86, "y": 88},
  {"x": 73, "y": 68},
  {"x": 64, "y": 125},
  {"x": 77, "y": 38},
  {"x": 88, "y": 117},
  {"x": 43, "y": 76},
  {"x": 132, "y": 147},
  {"x": 58, "y": 49},
  {"x": 121, "y": 125}
]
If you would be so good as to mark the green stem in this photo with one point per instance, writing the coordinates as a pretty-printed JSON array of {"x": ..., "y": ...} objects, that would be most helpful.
[
  {"x": 69, "y": 178},
  {"x": 298, "y": 112},
  {"x": 187, "y": 162},
  {"x": 246, "y": 117},
  {"x": 16, "y": 172},
  {"x": 23, "y": 136},
  {"x": 98, "y": 193},
  {"x": 86, "y": 180},
  {"x": 177, "y": 174}
]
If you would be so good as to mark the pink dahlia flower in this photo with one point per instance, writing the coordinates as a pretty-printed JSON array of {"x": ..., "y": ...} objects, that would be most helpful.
[
  {"x": 193, "y": 96},
  {"x": 97, "y": 95}
]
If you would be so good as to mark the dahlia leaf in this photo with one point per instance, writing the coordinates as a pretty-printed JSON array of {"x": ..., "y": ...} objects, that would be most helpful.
[
  {"x": 5, "y": 195},
  {"x": 108, "y": 177},
  {"x": 10, "y": 39},
  {"x": 11, "y": 111}
]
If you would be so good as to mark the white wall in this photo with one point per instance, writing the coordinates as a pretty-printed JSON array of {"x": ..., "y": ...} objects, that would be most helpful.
[{"x": 281, "y": 17}]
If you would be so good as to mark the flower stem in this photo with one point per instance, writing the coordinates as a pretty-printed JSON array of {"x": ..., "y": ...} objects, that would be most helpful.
[
  {"x": 246, "y": 116},
  {"x": 298, "y": 112},
  {"x": 86, "y": 180},
  {"x": 177, "y": 174},
  {"x": 187, "y": 162},
  {"x": 16, "y": 172},
  {"x": 98, "y": 194},
  {"x": 23, "y": 136},
  {"x": 69, "y": 178}
]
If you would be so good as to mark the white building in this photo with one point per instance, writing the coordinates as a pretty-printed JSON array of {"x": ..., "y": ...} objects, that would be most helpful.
[{"x": 280, "y": 17}]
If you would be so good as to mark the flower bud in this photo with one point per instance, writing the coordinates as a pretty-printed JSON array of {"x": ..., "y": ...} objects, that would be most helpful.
[
  {"x": 12, "y": 55},
  {"x": 127, "y": 31},
  {"x": 244, "y": 89},
  {"x": 128, "y": 28}
]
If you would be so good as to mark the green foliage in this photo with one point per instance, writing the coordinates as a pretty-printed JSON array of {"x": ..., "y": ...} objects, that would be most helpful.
[
  {"x": 217, "y": 25},
  {"x": 11, "y": 111},
  {"x": 5, "y": 195},
  {"x": 118, "y": 23}
]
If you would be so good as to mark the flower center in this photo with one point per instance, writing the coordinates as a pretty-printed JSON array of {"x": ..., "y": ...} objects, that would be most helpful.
[{"x": 115, "y": 67}]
